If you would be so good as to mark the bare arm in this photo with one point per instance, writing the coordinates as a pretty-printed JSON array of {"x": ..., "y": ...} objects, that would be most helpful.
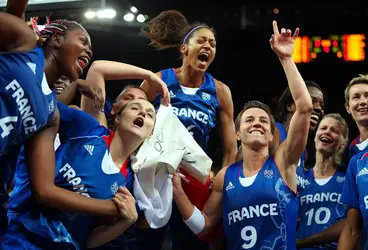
[
  {"x": 226, "y": 123},
  {"x": 40, "y": 156},
  {"x": 16, "y": 7},
  {"x": 212, "y": 210},
  {"x": 288, "y": 154},
  {"x": 150, "y": 91},
  {"x": 328, "y": 235},
  {"x": 15, "y": 35},
  {"x": 349, "y": 237},
  {"x": 104, "y": 234},
  {"x": 101, "y": 71}
]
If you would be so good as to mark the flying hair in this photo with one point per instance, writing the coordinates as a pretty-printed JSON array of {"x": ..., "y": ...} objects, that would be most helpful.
[{"x": 170, "y": 29}]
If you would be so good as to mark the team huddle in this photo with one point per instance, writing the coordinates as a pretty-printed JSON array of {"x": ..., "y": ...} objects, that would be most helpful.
[{"x": 66, "y": 178}]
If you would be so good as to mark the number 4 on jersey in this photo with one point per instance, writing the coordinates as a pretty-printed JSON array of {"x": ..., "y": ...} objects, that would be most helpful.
[{"x": 6, "y": 126}]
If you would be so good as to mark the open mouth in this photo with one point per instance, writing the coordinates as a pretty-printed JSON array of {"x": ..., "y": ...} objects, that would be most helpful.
[
  {"x": 138, "y": 122},
  {"x": 204, "y": 57},
  {"x": 256, "y": 132},
  {"x": 83, "y": 61},
  {"x": 315, "y": 118},
  {"x": 325, "y": 139},
  {"x": 59, "y": 89},
  {"x": 362, "y": 110}
]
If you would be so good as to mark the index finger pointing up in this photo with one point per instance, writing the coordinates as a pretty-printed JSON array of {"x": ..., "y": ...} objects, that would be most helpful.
[{"x": 275, "y": 28}]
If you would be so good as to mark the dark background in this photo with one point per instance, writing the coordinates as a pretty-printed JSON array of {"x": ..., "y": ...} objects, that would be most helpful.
[{"x": 244, "y": 60}]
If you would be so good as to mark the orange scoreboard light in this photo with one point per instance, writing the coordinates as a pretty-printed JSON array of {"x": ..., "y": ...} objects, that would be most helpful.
[{"x": 349, "y": 47}]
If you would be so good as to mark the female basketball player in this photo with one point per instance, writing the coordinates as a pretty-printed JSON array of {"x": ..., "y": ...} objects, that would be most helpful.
[
  {"x": 355, "y": 102},
  {"x": 355, "y": 193},
  {"x": 94, "y": 173},
  {"x": 322, "y": 215},
  {"x": 27, "y": 103},
  {"x": 196, "y": 96},
  {"x": 285, "y": 110},
  {"x": 265, "y": 216}
]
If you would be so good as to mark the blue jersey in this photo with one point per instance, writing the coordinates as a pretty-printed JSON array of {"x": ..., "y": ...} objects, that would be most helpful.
[
  {"x": 301, "y": 164},
  {"x": 355, "y": 192},
  {"x": 198, "y": 111},
  {"x": 69, "y": 117},
  {"x": 356, "y": 146},
  {"x": 320, "y": 206},
  {"x": 26, "y": 101},
  {"x": 91, "y": 173},
  {"x": 261, "y": 215}
]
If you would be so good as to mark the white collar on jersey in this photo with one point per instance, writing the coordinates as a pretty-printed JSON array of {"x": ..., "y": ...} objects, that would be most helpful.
[
  {"x": 108, "y": 165},
  {"x": 361, "y": 146},
  {"x": 45, "y": 86}
]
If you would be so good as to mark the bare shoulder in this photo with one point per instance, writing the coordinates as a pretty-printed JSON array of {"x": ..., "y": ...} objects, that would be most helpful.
[{"x": 219, "y": 179}]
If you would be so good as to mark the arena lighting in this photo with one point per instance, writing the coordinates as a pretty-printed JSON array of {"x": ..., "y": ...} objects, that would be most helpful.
[
  {"x": 101, "y": 14},
  {"x": 141, "y": 18},
  {"x": 90, "y": 14},
  {"x": 134, "y": 9},
  {"x": 129, "y": 17}
]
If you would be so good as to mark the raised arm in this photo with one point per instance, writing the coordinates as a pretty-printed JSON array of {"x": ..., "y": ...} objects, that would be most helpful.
[
  {"x": 201, "y": 222},
  {"x": 16, "y": 7},
  {"x": 15, "y": 35},
  {"x": 153, "y": 90},
  {"x": 102, "y": 71},
  {"x": 289, "y": 152},
  {"x": 226, "y": 123},
  {"x": 40, "y": 157}
]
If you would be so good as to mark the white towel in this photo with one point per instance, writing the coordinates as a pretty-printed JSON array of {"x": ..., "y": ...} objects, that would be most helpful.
[{"x": 171, "y": 145}]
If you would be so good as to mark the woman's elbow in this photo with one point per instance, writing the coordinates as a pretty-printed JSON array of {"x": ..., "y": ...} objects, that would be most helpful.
[
  {"x": 43, "y": 195},
  {"x": 305, "y": 107}
]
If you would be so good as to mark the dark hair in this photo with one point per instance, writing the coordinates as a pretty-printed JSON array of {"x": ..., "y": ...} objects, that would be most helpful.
[
  {"x": 255, "y": 104},
  {"x": 286, "y": 98},
  {"x": 169, "y": 29},
  {"x": 59, "y": 27}
]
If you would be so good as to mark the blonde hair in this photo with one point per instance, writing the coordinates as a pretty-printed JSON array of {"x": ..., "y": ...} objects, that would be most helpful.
[
  {"x": 339, "y": 154},
  {"x": 361, "y": 79}
]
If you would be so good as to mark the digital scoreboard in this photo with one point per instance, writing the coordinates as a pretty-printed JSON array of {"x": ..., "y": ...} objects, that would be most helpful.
[{"x": 348, "y": 47}]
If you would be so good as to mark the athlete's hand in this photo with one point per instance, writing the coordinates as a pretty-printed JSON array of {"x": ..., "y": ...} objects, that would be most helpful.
[
  {"x": 32, "y": 24},
  {"x": 177, "y": 187},
  {"x": 283, "y": 43},
  {"x": 125, "y": 202},
  {"x": 92, "y": 91},
  {"x": 156, "y": 83}
]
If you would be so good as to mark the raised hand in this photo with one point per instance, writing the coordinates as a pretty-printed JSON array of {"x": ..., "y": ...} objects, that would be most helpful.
[
  {"x": 160, "y": 87},
  {"x": 125, "y": 202},
  {"x": 92, "y": 91},
  {"x": 283, "y": 43}
]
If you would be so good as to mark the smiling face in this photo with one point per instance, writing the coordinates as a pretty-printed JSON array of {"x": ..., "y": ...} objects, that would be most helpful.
[
  {"x": 255, "y": 128},
  {"x": 200, "y": 50},
  {"x": 61, "y": 84},
  {"x": 137, "y": 117},
  {"x": 330, "y": 136},
  {"x": 357, "y": 104}
]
